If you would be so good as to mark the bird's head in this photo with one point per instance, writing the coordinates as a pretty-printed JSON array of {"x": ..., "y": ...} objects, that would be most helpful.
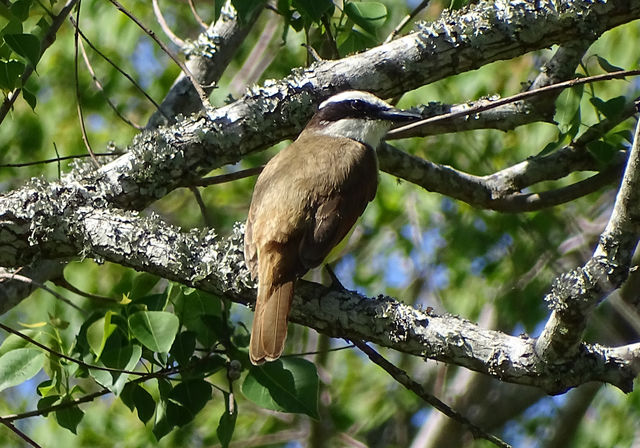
[{"x": 357, "y": 115}]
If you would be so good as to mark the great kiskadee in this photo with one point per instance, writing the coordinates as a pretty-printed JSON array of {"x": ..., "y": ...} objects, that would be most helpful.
[{"x": 306, "y": 200}]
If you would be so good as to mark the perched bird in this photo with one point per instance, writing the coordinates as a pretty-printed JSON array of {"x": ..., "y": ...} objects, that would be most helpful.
[{"x": 305, "y": 202}]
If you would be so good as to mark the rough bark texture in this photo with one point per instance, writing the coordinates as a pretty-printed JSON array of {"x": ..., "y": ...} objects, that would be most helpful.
[{"x": 93, "y": 213}]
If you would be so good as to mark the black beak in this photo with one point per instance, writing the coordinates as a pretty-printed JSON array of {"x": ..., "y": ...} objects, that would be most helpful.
[{"x": 399, "y": 115}]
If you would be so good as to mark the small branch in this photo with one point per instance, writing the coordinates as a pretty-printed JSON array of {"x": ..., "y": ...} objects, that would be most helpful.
[
  {"x": 409, "y": 130},
  {"x": 69, "y": 358},
  {"x": 85, "y": 138},
  {"x": 196, "y": 16},
  {"x": 204, "y": 98},
  {"x": 408, "y": 18},
  {"x": 63, "y": 283},
  {"x": 22, "y": 435},
  {"x": 98, "y": 84},
  {"x": 57, "y": 159},
  {"x": 165, "y": 27},
  {"x": 202, "y": 206},
  {"x": 30, "y": 281},
  {"x": 223, "y": 178},
  {"x": 401, "y": 377},
  {"x": 574, "y": 295},
  {"x": 114, "y": 65}
]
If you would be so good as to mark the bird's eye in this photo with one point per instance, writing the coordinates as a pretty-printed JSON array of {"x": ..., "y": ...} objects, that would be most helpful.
[{"x": 357, "y": 104}]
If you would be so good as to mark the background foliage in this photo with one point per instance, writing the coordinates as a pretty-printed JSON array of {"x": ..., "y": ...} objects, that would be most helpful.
[{"x": 424, "y": 248}]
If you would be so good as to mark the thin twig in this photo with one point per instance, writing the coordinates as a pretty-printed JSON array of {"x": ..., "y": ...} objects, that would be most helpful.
[
  {"x": 85, "y": 137},
  {"x": 196, "y": 85},
  {"x": 63, "y": 283},
  {"x": 30, "y": 281},
  {"x": 512, "y": 99},
  {"x": 316, "y": 352},
  {"x": 202, "y": 206},
  {"x": 57, "y": 159},
  {"x": 22, "y": 435},
  {"x": 222, "y": 178},
  {"x": 196, "y": 15},
  {"x": 98, "y": 84},
  {"x": 401, "y": 376},
  {"x": 406, "y": 20},
  {"x": 165, "y": 26},
  {"x": 114, "y": 65},
  {"x": 69, "y": 358}
]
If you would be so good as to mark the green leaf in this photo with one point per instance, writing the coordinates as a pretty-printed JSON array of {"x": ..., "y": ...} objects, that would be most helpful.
[
  {"x": 69, "y": 418},
  {"x": 190, "y": 306},
  {"x": 18, "y": 365},
  {"x": 123, "y": 358},
  {"x": 312, "y": 10},
  {"x": 606, "y": 66},
  {"x": 30, "y": 98},
  {"x": 145, "y": 404},
  {"x": 227, "y": 422},
  {"x": 356, "y": 41},
  {"x": 13, "y": 341},
  {"x": 20, "y": 9},
  {"x": 183, "y": 347},
  {"x": 98, "y": 332},
  {"x": 288, "y": 385},
  {"x": 10, "y": 73},
  {"x": 186, "y": 400},
  {"x": 610, "y": 108},
  {"x": 370, "y": 16},
  {"x": 568, "y": 108},
  {"x": 143, "y": 283},
  {"x": 602, "y": 151},
  {"x": 246, "y": 8},
  {"x": 156, "y": 330},
  {"x": 47, "y": 402},
  {"x": 26, "y": 45}
]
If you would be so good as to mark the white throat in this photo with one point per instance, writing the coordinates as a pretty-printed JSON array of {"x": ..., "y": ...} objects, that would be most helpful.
[{"x": 369, "y": 132}]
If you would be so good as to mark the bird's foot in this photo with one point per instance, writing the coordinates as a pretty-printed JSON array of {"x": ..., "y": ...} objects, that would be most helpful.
[{"x": 335, "y": 282}]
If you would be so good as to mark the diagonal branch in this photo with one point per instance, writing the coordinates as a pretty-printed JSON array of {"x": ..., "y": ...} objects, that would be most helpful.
[{"x": 574, "y": 295}]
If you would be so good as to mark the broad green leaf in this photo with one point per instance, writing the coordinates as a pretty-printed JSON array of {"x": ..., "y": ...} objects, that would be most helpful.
[
  {"x": 186, "y": 400},
  {"x": 288, "y": 385},
  {"x": 227, "y": 422},
  {"x": 356, "y": 41},
  {"x": 47, "y": 402},
  {"x": 607, "y": 66},
  {"x": 312, "y": 10},
  {"x": 10, "y": 73},
  {"x": 246, "y": 8},
  {"x": 98, "y": 332},
  {"x": 18, "y": 365},
  {"x": 602, "y": 151},
  {"x": 183, "y": 347},
  {"x": 145, "y": 404},
  {"x": 156, "y": 330},
  {"x": 30, "y": 98},
  {"x": 143, "y": 283},
  {"x": 13, "y": 341},
  {"x": 134, "y": 396},
  {"x": 20, "y": 9},
  {"x": 368, "y": 15},
  {"x": 610, "y": 108},
  {"x": 26, "y": 45},
  {"x": 568, "y": 108},
  {"x": 123, "y": 358},
  {"x": 69, "y": 418}
]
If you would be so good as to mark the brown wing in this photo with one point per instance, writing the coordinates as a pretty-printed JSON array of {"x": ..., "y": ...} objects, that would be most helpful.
[{"x": 336, "y": 212}]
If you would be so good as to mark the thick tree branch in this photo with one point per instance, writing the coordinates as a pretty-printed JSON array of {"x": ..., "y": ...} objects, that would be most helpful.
[
  {"x": 217, "y": 265},
  {"x": 207, "y": 58},
  {"x": 574, "y": 295}
]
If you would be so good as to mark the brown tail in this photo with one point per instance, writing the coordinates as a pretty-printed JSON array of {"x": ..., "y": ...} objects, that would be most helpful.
[{"x": 269, "y": 329}]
